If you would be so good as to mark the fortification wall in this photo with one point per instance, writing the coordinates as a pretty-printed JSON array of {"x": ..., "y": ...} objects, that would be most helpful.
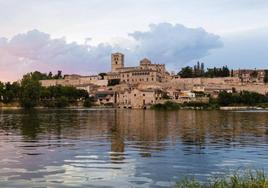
[
  {"x": 219, "y": 83},
  {"x": 73, "y": 82},
  {"x": 205, "y": 81}
]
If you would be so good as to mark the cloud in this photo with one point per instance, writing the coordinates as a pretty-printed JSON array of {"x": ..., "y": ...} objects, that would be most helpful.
[
  {"x": 173, "y": 45},
  {"x": 36, "y": 50}
]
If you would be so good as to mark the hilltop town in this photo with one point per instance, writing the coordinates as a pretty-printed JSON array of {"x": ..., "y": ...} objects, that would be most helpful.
[{"x": 149, "y": 83}]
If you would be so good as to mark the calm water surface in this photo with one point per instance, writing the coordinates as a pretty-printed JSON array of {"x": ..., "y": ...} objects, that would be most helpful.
[{"x": 127, "y": 148}]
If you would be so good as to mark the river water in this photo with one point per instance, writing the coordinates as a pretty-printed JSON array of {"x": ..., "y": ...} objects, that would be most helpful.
[{"x": 127, "y": 148}]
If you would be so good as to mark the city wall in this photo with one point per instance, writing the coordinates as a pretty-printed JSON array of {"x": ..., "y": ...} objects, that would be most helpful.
[{"x": 73, "y": 82}]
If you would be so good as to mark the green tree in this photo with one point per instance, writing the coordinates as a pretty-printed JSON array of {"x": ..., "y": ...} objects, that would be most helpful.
[
  {"x": 186, "y": 72},
  {"x": 224, "y": 98},
  {"x": 50, "y": 75},
  {"x": 58, "y": 75},
  {"x": 30, "y": 91},
  {"x": 11, "y": 92},
  {"x": 2, "y": 89},
  {"x": 102, "y": 75},
  {"x": 88, "y": 103},
  {"x": 265, "y": 79},
  {"x": 39, "y": 76},
  {"x": 62, "y": 102},
  {"x": 254, "y": 74}
]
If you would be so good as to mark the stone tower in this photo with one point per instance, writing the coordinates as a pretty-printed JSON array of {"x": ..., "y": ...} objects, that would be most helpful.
[{"x": 117, "y": 61}]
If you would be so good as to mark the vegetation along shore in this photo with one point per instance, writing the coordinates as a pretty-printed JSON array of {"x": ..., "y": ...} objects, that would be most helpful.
[{"x": 248, "y": 179}]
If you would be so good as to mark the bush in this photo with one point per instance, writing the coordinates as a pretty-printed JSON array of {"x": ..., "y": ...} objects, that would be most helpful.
[
  {"x": 247, "y": 179},
  {"x": 49, "y": 103},
  {"x": 87, "y": 103},
  {"x": 243, "y": 98},
  {"x": 166, "y": 106},
  {"x": 62, "y": 102}
]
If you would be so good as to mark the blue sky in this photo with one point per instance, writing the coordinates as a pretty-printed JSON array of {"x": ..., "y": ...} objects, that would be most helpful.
[{"x": 79, "y": 35}]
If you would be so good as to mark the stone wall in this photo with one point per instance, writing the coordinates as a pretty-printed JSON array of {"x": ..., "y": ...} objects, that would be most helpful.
[
  {"x": 138, "y": 98},
  {"x": 73, "y": 82}
]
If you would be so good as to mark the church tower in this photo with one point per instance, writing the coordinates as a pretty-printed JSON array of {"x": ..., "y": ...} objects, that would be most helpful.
[{"x": 117, "y": 61}]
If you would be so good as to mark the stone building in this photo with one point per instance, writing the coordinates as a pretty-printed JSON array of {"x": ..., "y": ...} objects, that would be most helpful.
[
  {"x": 117, "y": 61},
  {"x": 145, "y": 72},
  {"x": 250, "y": 75},
  {"x": 90, "y": 88},
  {"x": 106, "y": 97},
  {"x": 75, "y": 80},
  {"x": 138, "y": 98}
]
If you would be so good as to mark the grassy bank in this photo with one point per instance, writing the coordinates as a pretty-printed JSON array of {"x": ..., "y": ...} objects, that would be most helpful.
[
  {"x": 169, "y": 105},
  {"x": 248, "y": 179}
]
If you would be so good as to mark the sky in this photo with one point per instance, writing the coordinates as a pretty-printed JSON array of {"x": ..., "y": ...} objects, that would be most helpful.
[{"x": 78, "y": 36}]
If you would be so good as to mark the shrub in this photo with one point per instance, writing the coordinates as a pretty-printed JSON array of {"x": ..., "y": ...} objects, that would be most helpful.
[
  {"x": 166, "y": 106},
  {"x": 246, "y": 179},
  {"x": 62, "y": 102},
  {"x": 87, "y": 103}
]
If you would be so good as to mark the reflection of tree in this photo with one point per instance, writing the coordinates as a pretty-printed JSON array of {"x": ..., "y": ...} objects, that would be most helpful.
[
  {"x": 213, "y": 127},
  {"x": 30, "y": 124},
  {"x": 144, "y": 130}
]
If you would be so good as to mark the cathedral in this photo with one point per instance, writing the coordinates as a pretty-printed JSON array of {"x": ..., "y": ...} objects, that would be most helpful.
[{"x": 145, "y": 72}]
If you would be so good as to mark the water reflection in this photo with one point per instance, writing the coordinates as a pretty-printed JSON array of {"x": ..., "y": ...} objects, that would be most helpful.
[{"x": 126, "y": 147}]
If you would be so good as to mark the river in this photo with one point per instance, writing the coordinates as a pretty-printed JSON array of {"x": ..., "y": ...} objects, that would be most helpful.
[{"x": 127, "y": 148}]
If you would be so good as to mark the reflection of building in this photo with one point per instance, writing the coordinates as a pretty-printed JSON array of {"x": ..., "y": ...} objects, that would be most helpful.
[{"x": 145, "y": 72}]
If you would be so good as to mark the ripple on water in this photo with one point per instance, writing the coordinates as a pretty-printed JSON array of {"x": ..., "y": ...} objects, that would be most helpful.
[{"x": 109, "y": 148}]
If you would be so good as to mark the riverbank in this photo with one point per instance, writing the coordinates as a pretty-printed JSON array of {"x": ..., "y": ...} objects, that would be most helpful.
[
  {"x": 204, "y": 106},
  {"x": 247, "y": 179},
  {"x": 154, "y": 107},
  {"x": 232, "y": 108}
]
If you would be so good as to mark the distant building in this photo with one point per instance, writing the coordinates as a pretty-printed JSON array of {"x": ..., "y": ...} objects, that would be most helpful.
[
  {"x": 138, "y": 98},
  {"x": 75, "y": 80},
  {"x": 105, "y": 97},
  {"x": 250, "y": 75},
  {"x": 117, "y": 61},
  {"x": 145, "y": 72}
]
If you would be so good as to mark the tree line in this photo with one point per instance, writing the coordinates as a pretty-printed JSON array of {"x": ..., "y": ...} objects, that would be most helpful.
[
  {"x": 189, "y": 72},
  {"x": 199, "y": 71},
  {"x": 242, "y": 98},
  {"x": 44, "y": 76},
  {"x": 29, "y": 92}
]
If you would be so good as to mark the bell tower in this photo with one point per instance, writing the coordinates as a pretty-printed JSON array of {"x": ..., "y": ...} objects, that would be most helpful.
[{"x": 117, "y": 61}]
